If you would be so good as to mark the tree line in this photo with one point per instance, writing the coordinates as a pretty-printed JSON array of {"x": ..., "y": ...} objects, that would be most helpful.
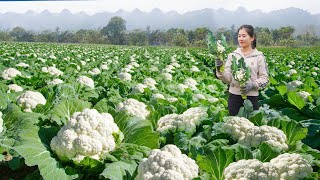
[{"x": 115, "y": 32}]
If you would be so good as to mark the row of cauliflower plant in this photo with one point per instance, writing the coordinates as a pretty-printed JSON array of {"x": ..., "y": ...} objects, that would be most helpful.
[{"x": 91, "y": 111}]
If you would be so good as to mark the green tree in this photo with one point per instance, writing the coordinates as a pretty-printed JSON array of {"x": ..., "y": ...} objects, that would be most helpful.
[
  {"x": 138, "y": 37},
  {"x": 115, "y": 30},
  {"x": 20, "y": 34}
]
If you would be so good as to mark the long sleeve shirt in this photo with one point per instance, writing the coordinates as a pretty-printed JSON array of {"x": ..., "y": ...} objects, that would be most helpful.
[{"x": 259, "y": 72}]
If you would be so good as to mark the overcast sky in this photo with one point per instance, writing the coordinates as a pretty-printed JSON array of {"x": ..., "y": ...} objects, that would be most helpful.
[{"x": 181, "y": 6}]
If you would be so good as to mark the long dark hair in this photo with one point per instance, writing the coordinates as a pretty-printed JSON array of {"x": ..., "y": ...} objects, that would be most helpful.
[{"x": 250, "y": 31}]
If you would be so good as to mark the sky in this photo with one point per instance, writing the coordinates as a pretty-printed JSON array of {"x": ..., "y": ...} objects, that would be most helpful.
[{"x": 181, "y": 6}]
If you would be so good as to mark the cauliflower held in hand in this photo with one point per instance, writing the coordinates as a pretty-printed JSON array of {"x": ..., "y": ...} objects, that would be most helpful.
[
  {"x": 250, "y": 169},
  {"x": 10, "y": 73},
  {"x": 291, "y": 166},
  {"x": 134, "y": 107},
  {"x": 30, "y": 99},
  {"x": 87, "y": 134},
  {"x": 169, "y": 164}
]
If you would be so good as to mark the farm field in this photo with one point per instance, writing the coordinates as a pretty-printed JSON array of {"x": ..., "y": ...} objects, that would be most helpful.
[{"x": 73, "y": 111}]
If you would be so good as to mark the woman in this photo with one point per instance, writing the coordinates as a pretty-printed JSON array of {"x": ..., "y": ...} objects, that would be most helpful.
[{"x": 259, "y": 71}]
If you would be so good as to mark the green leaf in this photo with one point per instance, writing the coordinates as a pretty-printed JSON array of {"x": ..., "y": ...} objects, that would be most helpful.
[
  {"x": 35, "y": 152},
  {"x": 296, "y": 100},
  {"x": 242, "y": 152},
  {"x": 294, "y": 131},
  {"x": 257, "y": 118},
  {"x": 313, "y": 136},
  {"x": 62, "y": 112},
  {"x": 282, "y": 89},
  {"x": 293, "y": 114},
  {"x": 215, "y": 160},
  {"x": 137, "y": 131},
  {"x": 266, "y": 152},
  {"x": 119, "y": 170}
]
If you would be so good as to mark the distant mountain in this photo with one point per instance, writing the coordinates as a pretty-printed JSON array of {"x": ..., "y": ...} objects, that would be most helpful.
[{"x": 158, "y": 19}]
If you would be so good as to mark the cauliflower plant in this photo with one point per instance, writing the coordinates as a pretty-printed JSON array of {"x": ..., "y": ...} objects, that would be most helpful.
[
  {"x": 284, "y": 167},
  {"x": 15, "y": 88},
  {"x": 22, "y": 64},
  {"x": 149, "y": 82},
  {"x": 247, "y": 134},
  {"x": 94, "y": 71},
  {"x": 55, "y": 82},
  {"x": 124, "y": 76},
  {"x": 194, "y": 69},
  {"x": 271, "y": 135},
  {"x": 250, "y": 169},
  {"x": 86, "y": 81},
  {"x": 87, "y": 134},
  {"x": 166, "y": 76},
  {"x": 30, "y": 99},
  {"x": 168, "y": 164},
  {"x": 10, "y": 73},
  {"x": 187, "y": 121},
  {"x": 52, "y": 71},
  {"x": 134, "y": 107},
  {"x": 291, "y": 166},
  {"x": 191, "y": 83},
  {"x": 139, "y": 88},
  {"x": 304, "y": 95}
]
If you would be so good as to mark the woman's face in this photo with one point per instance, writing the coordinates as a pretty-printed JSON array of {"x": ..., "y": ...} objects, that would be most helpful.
[{"x": 244, "y": 39}]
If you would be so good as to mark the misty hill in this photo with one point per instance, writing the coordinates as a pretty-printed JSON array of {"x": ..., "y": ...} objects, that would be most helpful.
[{"x": 158, "y": 19}]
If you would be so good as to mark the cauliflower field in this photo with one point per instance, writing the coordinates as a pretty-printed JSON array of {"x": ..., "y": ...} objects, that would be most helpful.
[{"x": 112, "y": 112}]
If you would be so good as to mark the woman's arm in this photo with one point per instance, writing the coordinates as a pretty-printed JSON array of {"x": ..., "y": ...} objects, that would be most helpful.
[{"x": 263, "y": 74}]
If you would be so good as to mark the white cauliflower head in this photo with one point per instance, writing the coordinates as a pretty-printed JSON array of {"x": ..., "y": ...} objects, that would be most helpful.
[
  {"x": 14, "y": 88},
  {"x": 240, "y": 75},
  {"x": 304, "y": 95},
  {"x": 244, "y": 131},
  {"x": 169, "y": 164},
  {"x": 1, "y": 123},
  {"x": 166, "y": 76},
  {"x": 191, "y": 83},
  {"x": 10, "y": 73},
  {"x": 139, "y": 88},
  {"x": 134, "y": 107},
  {"x": 86, "y": 81},
  {"x": 30, "y": 99},
  {"x": 250, "y": 169},
  {"x": 87, "y": 134},
  {"x": 124, "y": 76},
  {"x": 198, "y": 97},
  {"x": 157, "y": 96},
  {"x": 95, "y": 71},
  {"x": 291, "y": 166},
  {"x": 52, "y": 71},
  {"x": 220, "y": 47},
  {"x": 237, "y": 126},
  {"x": 149, "y": 82},
  {"x": 22, "y": 64},
  {"x": 187, "y": 121},
  {"x": 55, "y": 82},
  {"x": 194, "y": 69}
]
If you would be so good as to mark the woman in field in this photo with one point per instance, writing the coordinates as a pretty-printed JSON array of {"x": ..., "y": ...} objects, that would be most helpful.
[{"x": 259, "y": 71}]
